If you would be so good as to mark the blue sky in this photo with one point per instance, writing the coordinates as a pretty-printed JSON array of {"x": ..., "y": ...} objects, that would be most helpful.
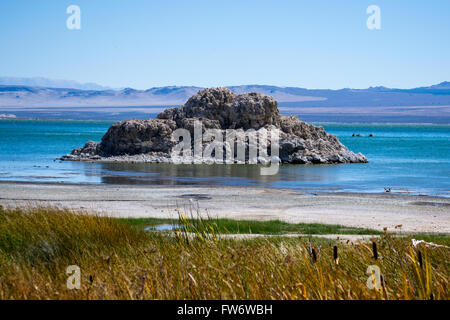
[{"x": 146, "y": 43}]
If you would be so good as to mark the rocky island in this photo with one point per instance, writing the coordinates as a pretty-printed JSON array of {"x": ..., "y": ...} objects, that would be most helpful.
[{"x": 220, "y": 109}]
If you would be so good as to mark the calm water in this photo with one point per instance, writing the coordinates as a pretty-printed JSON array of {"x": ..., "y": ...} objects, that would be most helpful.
[{"x": 407, "y": 158}]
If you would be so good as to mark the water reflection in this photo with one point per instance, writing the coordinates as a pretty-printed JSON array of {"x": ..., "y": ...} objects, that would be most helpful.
[
  {"x": 163, "y": 227},
  {"x": 186, "y": 174}
]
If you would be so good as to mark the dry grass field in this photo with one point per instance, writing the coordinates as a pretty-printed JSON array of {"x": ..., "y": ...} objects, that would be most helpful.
[{"x": 119, "y": 261}]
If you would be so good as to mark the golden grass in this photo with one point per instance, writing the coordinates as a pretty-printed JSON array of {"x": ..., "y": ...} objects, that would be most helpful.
[{"x": 121, "y": 262}]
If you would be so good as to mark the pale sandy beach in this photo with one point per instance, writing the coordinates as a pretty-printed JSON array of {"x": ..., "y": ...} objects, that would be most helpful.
[{"x": 414, "y": 213}]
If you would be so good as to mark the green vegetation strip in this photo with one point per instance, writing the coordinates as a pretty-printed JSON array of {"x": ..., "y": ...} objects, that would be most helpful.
[{"x": 273, "y": 227}]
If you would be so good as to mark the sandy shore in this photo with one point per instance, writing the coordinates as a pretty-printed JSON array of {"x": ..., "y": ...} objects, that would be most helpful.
[{"x": 414, "y": 213}]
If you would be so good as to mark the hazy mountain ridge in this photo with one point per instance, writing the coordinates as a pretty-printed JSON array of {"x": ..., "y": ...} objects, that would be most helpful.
[
  {"x": 50, "y": 83},
  {"x": 36, "y": 96}
]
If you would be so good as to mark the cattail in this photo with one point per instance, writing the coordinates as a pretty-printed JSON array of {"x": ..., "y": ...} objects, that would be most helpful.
[
  {"x": 420, "y": 259},
  {"x": 335, "y": 255},
  {"x": 314, "y": 255},
  {"x": 374, "y": 249}
]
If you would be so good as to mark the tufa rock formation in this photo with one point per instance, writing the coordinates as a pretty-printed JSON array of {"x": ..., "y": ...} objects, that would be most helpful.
[{"x": 217, "y": 108}]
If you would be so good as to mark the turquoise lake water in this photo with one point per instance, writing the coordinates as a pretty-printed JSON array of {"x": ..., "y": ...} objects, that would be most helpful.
[{"x": 412, "y": 159}]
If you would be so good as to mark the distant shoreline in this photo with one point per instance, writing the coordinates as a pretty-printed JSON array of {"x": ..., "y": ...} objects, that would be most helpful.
[{"x": 443, "y": 122}]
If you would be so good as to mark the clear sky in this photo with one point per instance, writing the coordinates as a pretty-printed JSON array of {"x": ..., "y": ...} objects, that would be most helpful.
[{"x": 146, "y": 43}]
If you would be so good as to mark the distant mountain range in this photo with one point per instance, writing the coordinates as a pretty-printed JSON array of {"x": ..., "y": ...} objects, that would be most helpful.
[
  {"x": 50, "y": 83},
  {"x": 41, "y": 92}
]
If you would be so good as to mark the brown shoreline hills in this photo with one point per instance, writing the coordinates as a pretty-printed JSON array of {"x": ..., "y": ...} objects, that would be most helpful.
[{"x": 217, "y": 108}]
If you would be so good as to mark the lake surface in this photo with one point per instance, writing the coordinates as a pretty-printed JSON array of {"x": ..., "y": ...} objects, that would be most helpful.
[{"x": 409, "y": 158}]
